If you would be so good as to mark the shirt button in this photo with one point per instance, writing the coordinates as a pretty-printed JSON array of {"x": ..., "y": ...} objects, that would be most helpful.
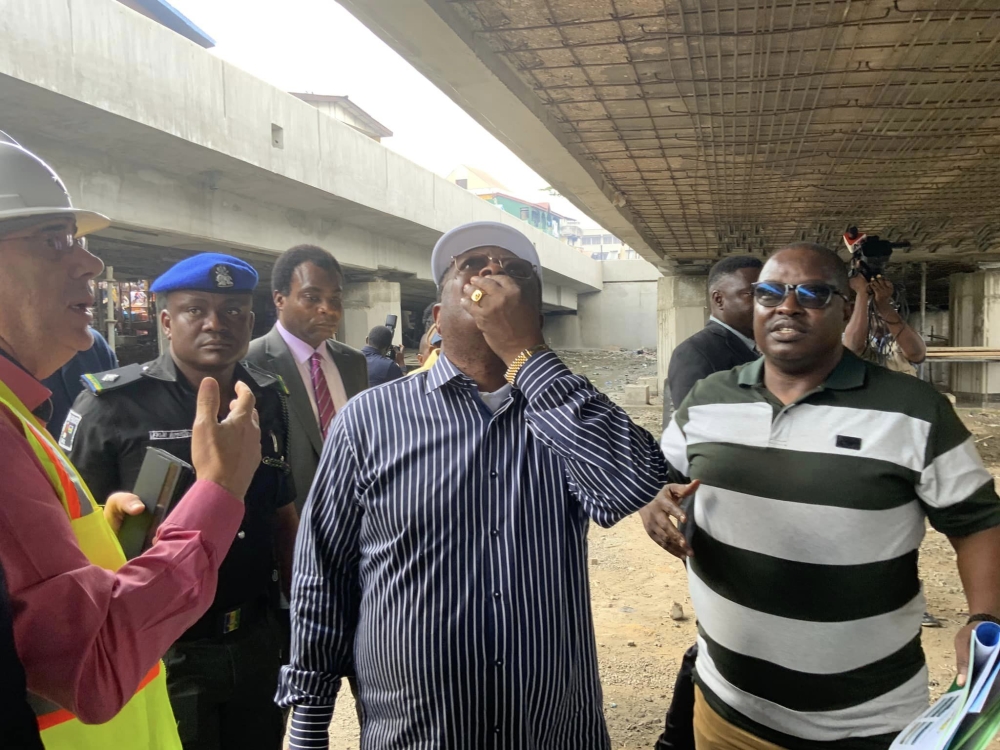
[
  {"x": 496, "y": 730},
  {"x": 499, "y": 662},
  {"x": 496, "y": 594},
  {"x": 242, "y": 534},
  {"x": 495, "y": 532},
  {"x": 493, "y": 473}
]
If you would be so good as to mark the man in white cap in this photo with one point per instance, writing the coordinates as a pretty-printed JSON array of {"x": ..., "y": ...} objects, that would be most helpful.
[
  {"x": 90, "y": 627},
  {"x": 442, "y": 556}
]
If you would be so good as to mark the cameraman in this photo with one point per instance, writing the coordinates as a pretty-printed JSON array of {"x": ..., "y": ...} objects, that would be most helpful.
[
  {"x": 383, "y": 358},
  {"x": 904, "y": 348}
]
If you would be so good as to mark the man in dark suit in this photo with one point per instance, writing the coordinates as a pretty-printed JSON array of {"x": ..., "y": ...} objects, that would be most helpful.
[
  {"x": 321, "y": 374},
  {"x": 725, "y": 342}
]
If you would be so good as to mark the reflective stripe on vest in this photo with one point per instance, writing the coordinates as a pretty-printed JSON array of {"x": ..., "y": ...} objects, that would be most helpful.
[{"x": 146, "y": 722}]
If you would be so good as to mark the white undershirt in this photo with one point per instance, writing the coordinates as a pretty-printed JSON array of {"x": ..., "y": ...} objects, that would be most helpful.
[{"x": 495, "y": 400}]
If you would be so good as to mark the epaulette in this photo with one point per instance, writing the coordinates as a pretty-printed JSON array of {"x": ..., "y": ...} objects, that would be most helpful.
[
  {"x": 265, "y": 378},
  {"x": 111, "y": 380}
]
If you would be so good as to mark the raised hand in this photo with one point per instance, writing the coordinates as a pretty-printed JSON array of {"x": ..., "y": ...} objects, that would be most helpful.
[
  {"x": 510, "y": 322},
  {"x": 226, "y": 452}
]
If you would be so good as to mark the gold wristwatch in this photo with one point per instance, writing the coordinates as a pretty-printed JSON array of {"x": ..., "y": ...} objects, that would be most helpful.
[{"x": 520, "y": 359}]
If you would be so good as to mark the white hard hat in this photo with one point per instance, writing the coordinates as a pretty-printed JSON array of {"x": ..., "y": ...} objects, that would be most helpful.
[
  {"x": 29, "y": 187},
  {"x": 481, "y": 234}
]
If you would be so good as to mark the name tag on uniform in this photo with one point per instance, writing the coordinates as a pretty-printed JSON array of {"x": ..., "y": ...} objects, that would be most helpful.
[
  {"x": 169, "y": 434},
  {"x": 68, "y": 433}
]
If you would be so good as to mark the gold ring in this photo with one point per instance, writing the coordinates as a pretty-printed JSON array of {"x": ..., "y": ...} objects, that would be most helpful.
[{"x": 476, "y": 295}]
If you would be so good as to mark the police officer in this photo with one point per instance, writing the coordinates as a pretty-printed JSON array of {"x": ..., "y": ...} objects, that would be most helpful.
[{"x": 223, "y": 671}]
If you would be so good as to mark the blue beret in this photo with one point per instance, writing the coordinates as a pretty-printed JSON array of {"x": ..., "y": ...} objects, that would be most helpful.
[{"x": 208, "y": 272}]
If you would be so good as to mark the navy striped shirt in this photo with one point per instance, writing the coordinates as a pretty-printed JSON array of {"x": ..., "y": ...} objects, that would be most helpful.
[{"x": 442, "y": 558}]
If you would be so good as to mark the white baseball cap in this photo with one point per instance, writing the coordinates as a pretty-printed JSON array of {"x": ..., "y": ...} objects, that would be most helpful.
[{"x": 481, "y": 234}]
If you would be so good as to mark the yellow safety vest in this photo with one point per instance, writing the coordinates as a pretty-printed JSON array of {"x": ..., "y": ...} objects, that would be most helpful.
[{"x": 146, "y": 722}]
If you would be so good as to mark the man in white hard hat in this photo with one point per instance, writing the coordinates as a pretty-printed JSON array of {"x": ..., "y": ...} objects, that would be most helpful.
[
  {"x": 90, "y": 627},
  {"x": 442, "y": 554}
]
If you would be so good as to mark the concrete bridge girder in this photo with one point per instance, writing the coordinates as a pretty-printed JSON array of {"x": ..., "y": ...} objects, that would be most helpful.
[{"x": 177, "y": 147}]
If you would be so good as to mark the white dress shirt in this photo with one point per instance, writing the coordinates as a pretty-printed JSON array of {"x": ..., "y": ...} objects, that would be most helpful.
[{"x": 301, "y": 352}]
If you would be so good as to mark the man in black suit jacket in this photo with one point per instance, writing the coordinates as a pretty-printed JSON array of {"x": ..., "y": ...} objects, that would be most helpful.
[
  {"x": 307, "y": 284},
  {"x": 725, "y": 342}
]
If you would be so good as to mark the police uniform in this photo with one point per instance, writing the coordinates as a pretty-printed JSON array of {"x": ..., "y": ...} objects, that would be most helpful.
[{"x": 222, "y": 673}]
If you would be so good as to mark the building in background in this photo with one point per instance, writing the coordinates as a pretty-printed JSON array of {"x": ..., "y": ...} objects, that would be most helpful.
[
  {"x": 571, "y": 233},
  {"x": 600, "y": 244},
  {"x": 539, "y": 215},
  {"x": 343, "y": 109},
  {"x": 167, "y": 15}
]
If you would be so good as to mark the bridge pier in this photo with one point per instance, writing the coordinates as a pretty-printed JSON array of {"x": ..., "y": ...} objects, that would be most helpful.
[
  {"x": 974, "y": 310},
  {"x": 366, "y": 303},
  {"x": 681, "y": 311}
]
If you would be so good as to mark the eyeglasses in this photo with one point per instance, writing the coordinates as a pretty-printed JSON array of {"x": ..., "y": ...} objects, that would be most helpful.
[
  {"x": 60, "y": 242},
  {"x": 811, "y": 296},
  {"x": 516, "y": 268}
]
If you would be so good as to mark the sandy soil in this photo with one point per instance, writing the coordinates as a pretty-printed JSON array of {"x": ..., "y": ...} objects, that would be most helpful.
[{"x": 634, "y": 586}]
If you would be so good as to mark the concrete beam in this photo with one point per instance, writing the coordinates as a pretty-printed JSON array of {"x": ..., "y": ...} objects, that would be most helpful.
[
  {"x": 430, "y": 36},
  {"x": 167, "y": 139}
]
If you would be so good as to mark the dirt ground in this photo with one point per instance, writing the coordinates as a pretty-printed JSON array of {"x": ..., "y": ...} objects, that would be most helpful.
[{"x": 634, "y": 586}]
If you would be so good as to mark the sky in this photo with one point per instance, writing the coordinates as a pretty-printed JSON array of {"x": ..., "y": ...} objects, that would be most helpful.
[{"x": 316, "y": 46}]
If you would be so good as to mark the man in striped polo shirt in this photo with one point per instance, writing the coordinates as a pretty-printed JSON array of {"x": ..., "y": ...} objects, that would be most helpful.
[{"x": 817, "y": 471}]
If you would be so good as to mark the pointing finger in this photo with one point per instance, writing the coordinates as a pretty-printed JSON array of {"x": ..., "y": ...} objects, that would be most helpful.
[{"x": 208, "y": 401}]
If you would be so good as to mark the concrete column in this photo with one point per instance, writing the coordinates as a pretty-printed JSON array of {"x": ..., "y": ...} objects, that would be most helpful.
[
  {"x": 974, "y": 312},
  {"x": 365, "y": 306},
  {"x": 681, "y": 311}
]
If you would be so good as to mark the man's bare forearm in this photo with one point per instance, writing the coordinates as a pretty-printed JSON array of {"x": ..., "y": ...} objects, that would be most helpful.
[
  {"x": 979, "y": 567},
  {"x": 856, "y": 332},
  {"x": 911, "y": 345}
]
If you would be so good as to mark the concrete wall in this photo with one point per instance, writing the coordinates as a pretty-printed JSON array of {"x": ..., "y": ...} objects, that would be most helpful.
[
  {"x": 975, "y": 321},
  {"x": 366, "y": 305},
  {"x": 623, "y": 314}
]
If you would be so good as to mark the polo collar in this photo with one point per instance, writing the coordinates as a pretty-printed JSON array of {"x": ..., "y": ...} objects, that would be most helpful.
[
  {"x": 849, "y": 373},
  {"x": 444, "y": 372}
]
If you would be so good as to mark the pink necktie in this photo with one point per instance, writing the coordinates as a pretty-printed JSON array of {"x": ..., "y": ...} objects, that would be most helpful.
[{"x": 324, "y": 402}]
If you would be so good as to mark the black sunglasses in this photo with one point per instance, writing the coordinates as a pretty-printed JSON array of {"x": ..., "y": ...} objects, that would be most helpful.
[
  {"x": 471, "y": 265},
  {"x": 811, "y": 296}
]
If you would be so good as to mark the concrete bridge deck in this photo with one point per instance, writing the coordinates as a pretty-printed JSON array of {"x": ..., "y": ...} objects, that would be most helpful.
[{"x": 188, "y": 153}]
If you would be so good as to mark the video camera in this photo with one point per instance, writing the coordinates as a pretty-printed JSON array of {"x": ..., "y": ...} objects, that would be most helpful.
[
  {"x": 869, "y": 252},
  {"x": 390, "y": 323}
]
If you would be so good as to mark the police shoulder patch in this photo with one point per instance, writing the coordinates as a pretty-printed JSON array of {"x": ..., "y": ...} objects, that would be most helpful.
[
  {"x": 68, "y": 433},
  {"x": 265, "y": 378},
  {"x": 102, "y": 382}
]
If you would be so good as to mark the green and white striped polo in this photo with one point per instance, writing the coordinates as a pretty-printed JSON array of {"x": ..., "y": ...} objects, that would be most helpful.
[{"x": 807, "y": 527}]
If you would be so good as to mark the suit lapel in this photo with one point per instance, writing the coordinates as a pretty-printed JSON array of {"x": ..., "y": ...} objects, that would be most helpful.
[
  {"x": 348, "y": 374},
  {"x": 299, "y": 405},
  {"x": 734, "y": 342}
]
